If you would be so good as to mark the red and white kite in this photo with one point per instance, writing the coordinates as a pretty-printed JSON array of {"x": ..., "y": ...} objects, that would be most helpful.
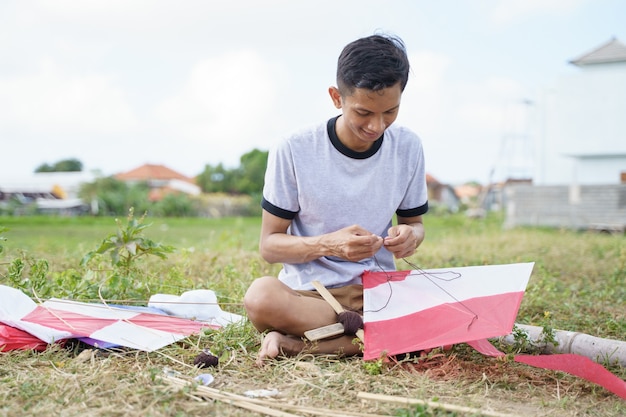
[
  {"x": 57, "y": 319},
  {"x": 407, "y": 311}
]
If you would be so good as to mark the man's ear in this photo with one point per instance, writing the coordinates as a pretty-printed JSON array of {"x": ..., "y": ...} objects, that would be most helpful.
[{"x": 335, "y": 96}]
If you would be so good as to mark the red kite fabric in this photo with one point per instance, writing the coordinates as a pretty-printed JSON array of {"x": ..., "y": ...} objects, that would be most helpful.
[
  {"x": 407, "y": 311},
  {"x": 14, "y": 339},
  {"x": 573, "y": 364}
]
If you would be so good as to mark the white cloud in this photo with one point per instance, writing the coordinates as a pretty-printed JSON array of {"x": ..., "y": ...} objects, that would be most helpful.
[
  {"x": 461, "y": 121},
  {"x": 433, "y": 99},
  {"x": 487, "y": 104},
  {"x": 50, "y": 101},
  {"x": 161, "y": 18},
  {"x": 508, "y": 11},
  {"x": 176, "y": 83},
  {"x": 423, "y": 102},
  {"x": 224, "y": 106}
]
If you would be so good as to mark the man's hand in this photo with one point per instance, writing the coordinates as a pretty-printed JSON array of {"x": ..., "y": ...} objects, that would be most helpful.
[
  {"x": 353, "y": 243},
  {"x": 403, "y": 239}
]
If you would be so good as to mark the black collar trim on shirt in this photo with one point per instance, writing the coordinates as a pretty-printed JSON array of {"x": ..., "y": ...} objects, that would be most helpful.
[{"x": 334, "y": 139}]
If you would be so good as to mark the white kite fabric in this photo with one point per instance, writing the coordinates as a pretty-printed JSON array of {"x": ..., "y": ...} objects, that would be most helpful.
[
  {"x": 103, "y": 325},
  {"x": 407, "y": 311}
]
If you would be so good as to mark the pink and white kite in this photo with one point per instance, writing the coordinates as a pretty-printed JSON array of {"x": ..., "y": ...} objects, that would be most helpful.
[
  {"x": 407, "y": 311},
  {"x": 98, "y": 324}
]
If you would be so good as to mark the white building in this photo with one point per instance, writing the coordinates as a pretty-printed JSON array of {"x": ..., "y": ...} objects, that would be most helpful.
[
  {"x": 62, "y": 185},
  {"x": 51, "y": 192},
  {"x": 581, "y": 133}
]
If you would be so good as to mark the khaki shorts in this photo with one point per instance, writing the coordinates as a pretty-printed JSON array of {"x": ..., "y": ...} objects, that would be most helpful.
[{"x": 349, "y": 296}]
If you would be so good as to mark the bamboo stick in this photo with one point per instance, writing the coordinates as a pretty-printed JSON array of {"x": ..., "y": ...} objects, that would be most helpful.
[
  {"x": 433, "y": 404},
  {"x": 324, "y": 332},
  {"x": 259, "y": 405},
  {"x": 233, "y": 399}
]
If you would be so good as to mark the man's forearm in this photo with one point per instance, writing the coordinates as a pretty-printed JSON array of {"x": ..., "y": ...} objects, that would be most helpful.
[{"x": 285, "y": 248}]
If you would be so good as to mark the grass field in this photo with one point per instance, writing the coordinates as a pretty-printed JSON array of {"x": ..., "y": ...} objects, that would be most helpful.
[{"x": 578, "y": 284}]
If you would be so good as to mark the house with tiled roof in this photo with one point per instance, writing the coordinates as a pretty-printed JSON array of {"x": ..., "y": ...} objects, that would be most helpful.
[
  {"x": 161, "y": 180},
  {"x": 442, "y": 195}
]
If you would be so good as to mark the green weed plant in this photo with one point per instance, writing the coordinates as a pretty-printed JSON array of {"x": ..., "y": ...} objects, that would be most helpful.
[
  {"x": 128, "y": 245},
  {"x": 126, "y": 248}
]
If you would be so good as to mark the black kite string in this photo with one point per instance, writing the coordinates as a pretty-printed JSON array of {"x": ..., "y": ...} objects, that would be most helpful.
[{"x": 432, "y": 277}]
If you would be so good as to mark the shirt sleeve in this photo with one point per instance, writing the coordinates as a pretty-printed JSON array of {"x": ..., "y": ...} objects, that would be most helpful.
[
  {"x": 415, "y": 202},
  {"x": 280, "y": 190}
]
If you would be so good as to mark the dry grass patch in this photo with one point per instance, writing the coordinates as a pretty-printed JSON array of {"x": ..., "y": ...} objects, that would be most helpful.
[
  {"x": 71, "y": 382},
  {"x": 578, "y": 284}
]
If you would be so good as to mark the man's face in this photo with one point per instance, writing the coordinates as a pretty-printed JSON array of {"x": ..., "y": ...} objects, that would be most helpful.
[{"x": 366, "y": 115}]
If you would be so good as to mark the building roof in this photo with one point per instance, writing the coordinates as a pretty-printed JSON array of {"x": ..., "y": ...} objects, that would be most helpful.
[
  {"x": 149, "y": 172},
  {"x": 467, "y": 191},
  {"x": 609, "y": 52},
  {"x": 431, "y": 180}
]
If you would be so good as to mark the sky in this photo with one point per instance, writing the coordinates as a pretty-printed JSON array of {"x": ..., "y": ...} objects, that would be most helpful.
[{"x": 120, "y": 83}]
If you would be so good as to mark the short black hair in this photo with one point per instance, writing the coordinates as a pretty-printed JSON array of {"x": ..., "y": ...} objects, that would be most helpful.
[{"x": 374, "y": 63}]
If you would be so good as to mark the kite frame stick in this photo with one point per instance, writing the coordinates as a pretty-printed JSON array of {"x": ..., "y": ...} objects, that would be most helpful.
[
  {"x": 50, "y": 311},
  {"x": 324, "y": 332},
  {"x": 232, "y": 399},
  {"x": 326, "y": 295},
  {"x": 269, "y": 408},
  {"x": 433, "y": 404}
]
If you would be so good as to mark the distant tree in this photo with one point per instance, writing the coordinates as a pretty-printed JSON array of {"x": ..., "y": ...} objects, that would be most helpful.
[
  {"x": 68, "y": 165},
  {"x": 218, "y": 179},
  {"x": 251, "y": 172},
  {"x": 65, "y": 165},
  {"x": 215, "y": 179},
  {"x": 114, "y": 197},
  {"x": 246, "y": 179},
  {"x": 175, "y": 205},
  {"x": 44, "y": 168}
]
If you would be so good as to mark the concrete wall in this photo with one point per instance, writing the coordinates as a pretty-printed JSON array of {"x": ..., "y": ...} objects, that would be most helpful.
[{"x": 600, "y": 207}]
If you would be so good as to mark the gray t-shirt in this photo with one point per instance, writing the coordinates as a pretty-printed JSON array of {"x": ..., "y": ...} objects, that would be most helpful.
[{"x": 323, "y": 186}]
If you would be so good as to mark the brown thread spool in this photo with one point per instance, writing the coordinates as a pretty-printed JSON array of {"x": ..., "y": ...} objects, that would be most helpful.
[
  {"x": 351, "y": 320},
  {"x": 205, "y": 359}
]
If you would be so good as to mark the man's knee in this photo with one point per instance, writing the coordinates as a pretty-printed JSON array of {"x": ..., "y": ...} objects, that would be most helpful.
[{"x": 258, "y": 297}]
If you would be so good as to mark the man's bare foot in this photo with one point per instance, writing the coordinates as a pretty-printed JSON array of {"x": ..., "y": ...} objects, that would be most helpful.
[{"x": 275, "y": 343}]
